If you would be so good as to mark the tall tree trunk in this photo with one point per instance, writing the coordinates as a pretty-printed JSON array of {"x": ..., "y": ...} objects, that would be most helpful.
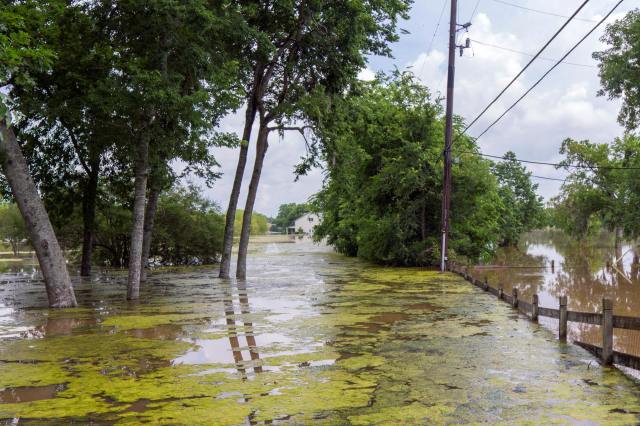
[
  {"x": 227, "y": 245},
  {"x": 149, "y": 221},
  {"x": 52, "y": 262},
  {"x": 261, "y": 149},
  {"x": 137, "y": 228},
  {"x": 89, "y": 218}
]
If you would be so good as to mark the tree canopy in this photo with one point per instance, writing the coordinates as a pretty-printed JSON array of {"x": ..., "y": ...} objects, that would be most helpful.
[{"x": 382, "y": 144}]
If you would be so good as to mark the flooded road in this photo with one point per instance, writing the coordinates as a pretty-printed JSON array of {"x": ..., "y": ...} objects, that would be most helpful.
[
  {"x": 312, "y": 336},
  {"x": 584, "y": 272}
]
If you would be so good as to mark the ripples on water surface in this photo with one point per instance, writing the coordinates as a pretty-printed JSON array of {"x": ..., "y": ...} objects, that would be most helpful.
[{"x": 310, "y": 337}]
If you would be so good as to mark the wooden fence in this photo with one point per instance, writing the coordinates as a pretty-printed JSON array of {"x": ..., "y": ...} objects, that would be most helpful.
[{"x": 605, "y": 319}]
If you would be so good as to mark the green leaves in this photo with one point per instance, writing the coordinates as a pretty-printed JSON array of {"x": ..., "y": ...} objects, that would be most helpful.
[
  {"x": 382, "y": 144},
  {"x": 603, "y": 190},
  {"x": 620, "y": 67}
]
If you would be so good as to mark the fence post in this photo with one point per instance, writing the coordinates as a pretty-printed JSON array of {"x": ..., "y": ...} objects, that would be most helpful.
[
  {"x": 607, "y": 331},
  {"x": 553, "y": 265},
  {"x": 486, "y": 284},
  {"x": 514, "y": 298},
  {"x": 562, "y": 330},
  {"x": 534, "y": 308},
  {"x": 500, "y": 293}
]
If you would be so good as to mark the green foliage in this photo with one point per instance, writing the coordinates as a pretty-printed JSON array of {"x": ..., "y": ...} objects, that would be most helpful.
[
  {"x": 288, "y": 213},
  {"x": 12, "y": 227},
  {"x": 259, "y": 223},
  {"x": 603, "y": 192},
  {"x": 188, "y": 229},
  {"x": 382, "y": 143},
  {"x": 620, "y": 67},
  {"x": 522, "y": 207}
]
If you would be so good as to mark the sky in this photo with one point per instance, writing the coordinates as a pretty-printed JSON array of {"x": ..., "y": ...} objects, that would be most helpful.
[{"x": 564, "y": 105}]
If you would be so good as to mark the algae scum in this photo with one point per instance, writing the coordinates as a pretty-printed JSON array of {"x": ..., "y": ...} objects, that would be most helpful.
[{"x": 313, "y": 337}]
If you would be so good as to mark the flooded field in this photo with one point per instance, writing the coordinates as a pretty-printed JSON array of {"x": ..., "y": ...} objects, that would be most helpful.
[
  {"x": 312, "y": 336},
  {"x": 584, "y": 272}
]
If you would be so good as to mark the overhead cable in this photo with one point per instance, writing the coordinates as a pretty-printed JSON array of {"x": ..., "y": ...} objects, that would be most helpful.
[
  {"x": 575, "y": 46},
  {"x": 584, "y": 3}
]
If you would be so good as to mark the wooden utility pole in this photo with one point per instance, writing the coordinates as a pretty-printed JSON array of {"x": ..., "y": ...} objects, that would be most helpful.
[
  {"x": 448, "y": 132},
  {"x": 446, "y": 180}
]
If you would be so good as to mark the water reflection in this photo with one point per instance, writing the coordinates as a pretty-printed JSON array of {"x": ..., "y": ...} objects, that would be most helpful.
[
  {"x": 552, "y": 265},
  {"x": 222, "y": 349}
]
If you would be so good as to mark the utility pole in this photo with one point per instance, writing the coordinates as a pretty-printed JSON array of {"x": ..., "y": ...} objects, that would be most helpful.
[{"x": 448, "y": 132}]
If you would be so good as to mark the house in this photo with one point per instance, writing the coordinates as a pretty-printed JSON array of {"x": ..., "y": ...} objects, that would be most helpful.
[{"x": 306, "y": 223}]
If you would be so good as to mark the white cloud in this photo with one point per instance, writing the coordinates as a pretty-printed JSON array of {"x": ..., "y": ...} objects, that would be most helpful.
[{"x": 366, "y": 74}]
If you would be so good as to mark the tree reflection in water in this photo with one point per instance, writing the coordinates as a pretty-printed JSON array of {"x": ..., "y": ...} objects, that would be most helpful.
[
  {"x": 247, "y": 327},
  {"x": 585, "y": 271}
]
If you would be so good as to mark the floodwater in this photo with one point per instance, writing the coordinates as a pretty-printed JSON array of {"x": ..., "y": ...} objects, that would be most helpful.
[
  {"x": 311, "y": 337},
  {"x": 585, "y": 272}
]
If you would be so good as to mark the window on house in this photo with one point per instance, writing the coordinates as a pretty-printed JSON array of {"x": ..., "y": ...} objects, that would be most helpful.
[{"x": 310, "y": 219}]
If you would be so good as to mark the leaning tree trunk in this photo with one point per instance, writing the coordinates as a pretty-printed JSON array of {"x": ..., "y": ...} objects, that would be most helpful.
[
  {"x": 261, "y": 149},
  {"x": 52, "y": 262},
  {"x": 137, "y": 228},
  {"x": 89, "y": 218},
  {"x": 149, "y": 221},
  {"x": 227, "y": 244}
]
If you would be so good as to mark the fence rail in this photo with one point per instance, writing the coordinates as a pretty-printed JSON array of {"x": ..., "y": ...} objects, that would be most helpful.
[{"x": 605, "y": 319}]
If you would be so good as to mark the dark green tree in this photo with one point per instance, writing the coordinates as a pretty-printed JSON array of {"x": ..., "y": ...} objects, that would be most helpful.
[
  {"x": 620, "y": 67},
  {"x": 382, "y": 144},
  {"x": 602, "y": 189},
  {"x": 23, "y": 27},
  {"x": 523, "y": 209},
  {"x": 175, "y": 80}
]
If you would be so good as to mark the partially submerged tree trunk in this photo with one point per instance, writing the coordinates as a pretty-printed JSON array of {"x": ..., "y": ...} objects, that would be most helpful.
[
  {"x": 149, "y": 221},
  {"x": 52, "y": 262},
  {"x": 137, "y": 228},
  {"x": 618, "y": 246},
  {"x": 261, "y": 149},
  {"x": 227, "y": 244},
  {"x": 89, "y": 218}
]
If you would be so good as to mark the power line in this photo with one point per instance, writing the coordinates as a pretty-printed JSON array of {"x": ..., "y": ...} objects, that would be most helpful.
[
  {"x": 548, "y": 178},
  {"x": 575, "y": 46},
  {"x": 557, "y": 165},
  {"x": 433, "y": 37},
  {"x": 435, "y": 32},
  {"x": 530, "y": 54},
  {"x": 526, "y": 66},
  {"x": 541, "y": 11},
  {"x": 475, "y": 9}
]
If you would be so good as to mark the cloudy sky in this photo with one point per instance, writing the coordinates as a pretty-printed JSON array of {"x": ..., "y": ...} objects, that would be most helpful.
[{"x": 563, "y": 105}]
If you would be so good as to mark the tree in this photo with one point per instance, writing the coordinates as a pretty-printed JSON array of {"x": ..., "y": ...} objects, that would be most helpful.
[
  {"x": 174, "y": 84},
  {"x": 301, "y": 49},
  {"x": 12, "y": 226},
  {"x": 523, "y": 208},
  {"x": 288, "y": 213},
  {"x": 189, "y": 228},
  {"x": 620, "y": 67},
  {"x": 601, "y": 188},
  {"x": 382, "y": 144},
  {"x": 66, "y": 111},
  {"x": 23, "y": 23},
  {"x": 259, "y": 223}
]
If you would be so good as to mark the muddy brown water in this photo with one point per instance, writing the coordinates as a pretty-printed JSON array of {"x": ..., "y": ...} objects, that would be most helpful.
[
  {"x": 585, "y": 272},
  {"x": 310, "y": 337}
]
